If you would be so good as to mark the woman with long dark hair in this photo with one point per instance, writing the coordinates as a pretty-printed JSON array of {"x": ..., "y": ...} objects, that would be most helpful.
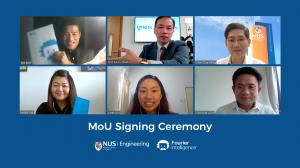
[
  {"x": 150, "y": 97},
  {"x": 61, "y": 94}
]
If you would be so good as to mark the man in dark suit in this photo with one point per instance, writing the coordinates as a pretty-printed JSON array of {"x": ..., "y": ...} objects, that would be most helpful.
[
  {"x": 164, "y": 51},
  {"x": 71, "y": 52}
]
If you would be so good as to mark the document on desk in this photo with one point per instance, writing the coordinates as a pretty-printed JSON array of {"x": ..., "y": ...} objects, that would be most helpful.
[
  {"x": 81, "y": 106},
  {"x": 42, "y": 44}
]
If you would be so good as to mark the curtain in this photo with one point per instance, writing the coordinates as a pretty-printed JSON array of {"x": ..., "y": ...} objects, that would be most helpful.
[{"x": 273, "y": 83}]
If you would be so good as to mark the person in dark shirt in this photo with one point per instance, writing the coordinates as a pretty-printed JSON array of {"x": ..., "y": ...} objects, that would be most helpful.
[
  {"x": 72, "y": 53},
  {"x": 61, "y": 94},
  {"x": 150, "y": 97}
]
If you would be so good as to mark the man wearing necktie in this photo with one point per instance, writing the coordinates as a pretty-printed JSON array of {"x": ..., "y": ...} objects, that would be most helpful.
[
  {"x": 164, "y": 50},
  {"x": 162, "y": 53}
]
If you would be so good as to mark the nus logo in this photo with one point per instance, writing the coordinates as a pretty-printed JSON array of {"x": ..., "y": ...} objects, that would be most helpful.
[
  {"x": 109, "y": 143},
  {"x": 144, "y": 27}
]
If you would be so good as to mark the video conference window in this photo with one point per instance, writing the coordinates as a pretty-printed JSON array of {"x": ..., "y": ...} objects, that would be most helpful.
[
  {"x": 237, "y": 40},
  {"x": 63, "y": 40},
  {"x": 144, "y": 28},
  {"x": 237, "y": 90},
  {"x": 150, "y": 40},
  {"x": 62, "y": 90},
  {"x": 151, "y": 90}
]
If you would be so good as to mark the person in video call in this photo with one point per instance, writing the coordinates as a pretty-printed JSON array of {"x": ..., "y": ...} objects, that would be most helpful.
[
  {"x": 61, "y": 94},
  {"x": 164, "y": 50},
  {"x": 150, "y": 97},
  {"x": 72, "y": 52},
  {"x": 246, "y": 87},
  {"x": 237, "y": 41}
]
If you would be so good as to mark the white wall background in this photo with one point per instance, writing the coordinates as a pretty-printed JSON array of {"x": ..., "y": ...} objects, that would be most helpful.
[
  {"x": 34, "y": 87},
  {"x": 174, "y": 80},
  {"x": 114, "y": 87},
  {"x": 213, "y": 87},
  {"x": 128, "y": 32}
]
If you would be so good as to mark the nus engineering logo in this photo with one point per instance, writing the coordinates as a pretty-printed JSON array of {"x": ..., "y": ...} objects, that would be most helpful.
[
  {"x": 98, "y": 146},
  {"x": 105, "y": 145}
]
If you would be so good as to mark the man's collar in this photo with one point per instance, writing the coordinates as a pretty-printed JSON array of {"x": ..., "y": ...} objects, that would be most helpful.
[
  {"x": 159, "y": 46},
  {"x": 235, "y": 106},
  {"x": 245, "y": 61}
]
